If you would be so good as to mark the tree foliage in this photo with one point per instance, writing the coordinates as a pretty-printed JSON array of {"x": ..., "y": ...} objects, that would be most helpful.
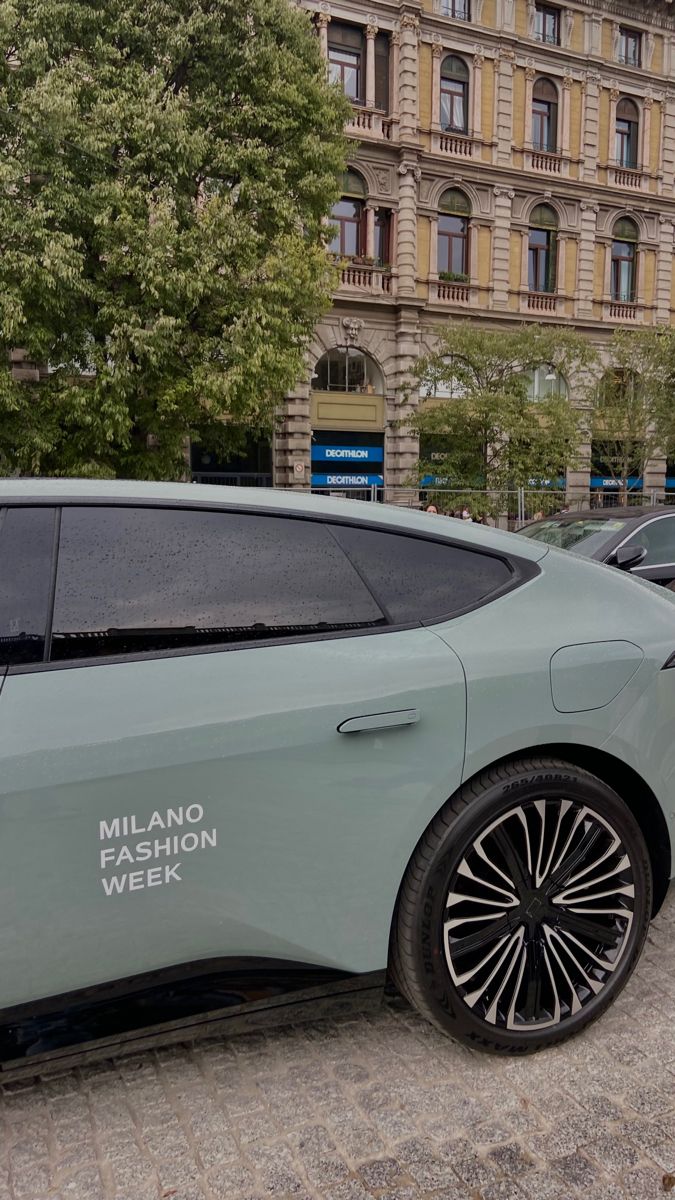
[
  {"x": 632, "y": 413},
  {"x": 165, "y": 167},
  {"x": 478, "y": 421}
]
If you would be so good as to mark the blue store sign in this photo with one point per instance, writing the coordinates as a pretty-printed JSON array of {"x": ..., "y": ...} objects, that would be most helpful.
[
  {"x": 347, "y": 480},
  {"x": 348, "y": 454},
  {"x": 601, "y": 481}
]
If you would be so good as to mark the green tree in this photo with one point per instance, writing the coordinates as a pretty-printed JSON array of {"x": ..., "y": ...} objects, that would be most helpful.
[
  {"x": 632, "y": 417},
  {"x": 165, "y": 168},
  {"x": 479, "y": 428}
]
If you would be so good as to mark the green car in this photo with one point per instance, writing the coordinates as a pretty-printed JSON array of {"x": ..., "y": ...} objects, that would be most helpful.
[{"x": 265, "y": 728}]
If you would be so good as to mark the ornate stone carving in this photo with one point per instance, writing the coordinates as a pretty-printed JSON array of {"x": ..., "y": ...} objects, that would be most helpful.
[
  {"x": 372, "y": 30},
  {"x": 410, "y": 21},
  {"x": 614, "y": 94},
  {"x": 531, "y": 18},
  {"x": 395, "y": 36},
  {"x": 530, "y": 74},
  {"x": 323, "y": 20},
  {"x": 616, "y": 40},
  {"x": 405, "y": 167},
  {"x": 589, "y": 206},
  {"x": 478, "y": 60},
  {"x": 649, "y": 50},
  {"x": 383, "y": 181},
  {"x": 352, "y": 327},
  {"x": 568, "y": 26},
  {"x": 501, "y": 191},
  {"x": 437, "y": 47},
  {"x": 506, "y": 54},
  {"x": 567, "y": 82},
  {"x": 593, "y": 79}
]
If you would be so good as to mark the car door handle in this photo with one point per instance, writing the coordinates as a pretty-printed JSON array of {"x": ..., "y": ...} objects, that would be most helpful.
[{"x": 385, "y": 720}]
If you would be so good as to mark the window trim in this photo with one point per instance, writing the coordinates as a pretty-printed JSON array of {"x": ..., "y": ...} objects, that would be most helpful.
[
  {"x": 547, "y": 10},
  {"x": 522, "y": 571},
  {"x": 634, "y": 532}
]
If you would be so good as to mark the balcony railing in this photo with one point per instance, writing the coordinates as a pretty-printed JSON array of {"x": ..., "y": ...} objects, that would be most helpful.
[
  {"x": 544, "y": 160},
  {"x": 541, "y": 302},
  {"x": 629, "y": 177},
  {"x": 371, "y": 123},
  {"x": 455, "y": 143},
  {"x": 450, "y": 293},
  {"x": 623, "y": 311},
  {"x": 366, "y": 278}
]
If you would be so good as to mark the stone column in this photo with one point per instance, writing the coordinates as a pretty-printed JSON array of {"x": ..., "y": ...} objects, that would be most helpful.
[
  {"x": 647, "y": 105},
  {"x": 370, "y": 228},
  {"x": 586, "y": 260},
  {"x": 371, "y": 34},
  {"x": 433, "y": 245},
  {"x": 664, "y": 265},
  {"x": 613, "y": 101},
  {"x": 436, "y": 57},
  {"x": 409, "y": 176},
  {"x": 591, "y": 126},
  {"x": 566, "y": 115},
  {"x": 561, "y": 264},
  {"x": 394, "y": 69},
  {"x": 409, "y": 76},
  {"x": 668, "y": 143},
  {"x": 322, "y": 23},
  {"x": 501, "y": 247},
  {"x": 504, "y": 105},
  {"x": 530, "y": 76},
  {"x": 477, "y": 90},
  {"x": 401, "y": 446}
]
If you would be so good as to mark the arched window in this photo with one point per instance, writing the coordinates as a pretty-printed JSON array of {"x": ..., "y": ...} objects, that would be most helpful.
[
  {"x": 624, "y": 260},
  {"x": 545, "y": 116},
  {"x": 542, "y": 249},
  {"x": 545, "y": 382},
  {"x": 346, "y": 369},
  {"x": 453, "y": 236},
  {"x": 348, "y": 215},
  {"x": 627, "y": 130},
  {"x": 454, "y": 95}
]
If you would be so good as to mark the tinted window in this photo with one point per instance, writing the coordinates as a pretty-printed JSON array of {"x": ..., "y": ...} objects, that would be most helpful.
[
  {"x": 584, "y": 535},
  {"x": 418, "y": 580},
  {"x": 132, "y": 580},
  {"x": 26, "y": 541},
  {"x": 659, "y": 538}
]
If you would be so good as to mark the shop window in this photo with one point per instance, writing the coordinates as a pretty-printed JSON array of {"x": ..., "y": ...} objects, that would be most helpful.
[
  {"x": 547, "y": 24},
  {"x": 346, "y": 369},
  {"x": 453, "y": 236},
  {"x": 542, "y": 249},
  {"x": 624, "y": 261},
  {"x": 348, "y": 215},
  {"x": 545, "y": 116},
  {"x": 627, "y": 130},
  {"x": 630, "y": 47},
  {"x": 454, "y": 95},
  {"x": 346, "y": 60}
]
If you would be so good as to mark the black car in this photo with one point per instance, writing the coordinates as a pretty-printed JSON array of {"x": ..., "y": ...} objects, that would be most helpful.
[{"x": 640, "y": 540}]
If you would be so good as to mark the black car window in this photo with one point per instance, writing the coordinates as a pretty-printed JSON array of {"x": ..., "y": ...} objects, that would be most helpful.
[
  {"x": 133, "y": 580},
  {"x": 659, "y": 538},
  {"x": 26, "y": 544},
  {"x": 583, "y": 535},
  {"x": 420, "y": 580}
]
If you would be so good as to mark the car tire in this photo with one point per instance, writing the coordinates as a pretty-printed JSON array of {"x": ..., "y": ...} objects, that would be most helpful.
[{"x": 524, "y": 909}]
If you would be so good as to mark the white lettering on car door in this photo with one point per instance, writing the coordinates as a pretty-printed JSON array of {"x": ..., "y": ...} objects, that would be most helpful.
[{"x": 117, "y": 852}]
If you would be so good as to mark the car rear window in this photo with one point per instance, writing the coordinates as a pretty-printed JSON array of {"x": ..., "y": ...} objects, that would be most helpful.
[{"x": 584, "y": 535}]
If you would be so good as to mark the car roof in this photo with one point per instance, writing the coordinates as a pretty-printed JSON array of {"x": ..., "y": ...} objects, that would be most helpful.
[{"x": 68, "y": 491}]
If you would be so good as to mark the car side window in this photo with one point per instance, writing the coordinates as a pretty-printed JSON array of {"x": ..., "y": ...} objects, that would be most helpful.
[
  {"x": 137, "y": 580},
  {"x": 420, "y": 580},
  {"x": 26, "y": 547},
  {"x": 659, "y": 539}
]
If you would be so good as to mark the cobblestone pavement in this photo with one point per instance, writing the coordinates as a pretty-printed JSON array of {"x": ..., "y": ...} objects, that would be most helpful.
[{"x": 363, "y": 1107}]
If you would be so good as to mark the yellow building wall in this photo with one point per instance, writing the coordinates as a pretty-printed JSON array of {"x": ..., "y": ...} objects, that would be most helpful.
[
  {"x": 570, "y": 267},
  {"x": 649, "y": 267},
  {"x": 655, "y": 138},
  {"x": 428, "y": 5},
  {"x": 578, "y": 33},
  {"x": 515, "y": 261},
  {"x": 425, "y": 78},
  {"x": 599, "y": 273},
  {"x": 423, "y": 244},
  {"x": 490, "y": 14},
  {"x": 576, "y": 111},
  {"x": 518, "y": 107},
  {"x": 488, "y": 100},
  {"x": 521, "y": 18},
  {"x": 606, "y": 43},
  {"x": 603, "y": 134},
  {"x": 657, "y": 61},
  {"x": 485, "y": 256}
]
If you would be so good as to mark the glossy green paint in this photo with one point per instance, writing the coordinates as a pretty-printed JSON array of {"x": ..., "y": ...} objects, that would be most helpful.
[{"x": 303, "y": 833}]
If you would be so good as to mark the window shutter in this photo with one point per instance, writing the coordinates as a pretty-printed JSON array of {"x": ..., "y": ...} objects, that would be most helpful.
[{"x": 382, "y": 72}]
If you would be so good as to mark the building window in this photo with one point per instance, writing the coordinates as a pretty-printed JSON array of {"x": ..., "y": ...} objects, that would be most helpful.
[
  {"x": 453, "y": 236},
  {"x": 545, "y": 116},
  {"x": 630, "y": 47},
  {"x": 545, "y": 383},
  {"x": 542, "y": 249},
  {"x": 454, "y": 95},
  {"x": 382, "y": 246},
  {"x": 547, "y": 24},
  {"x": 459, "y": 9},
  {"x": 346, "y": 55},
  {"x": 346, "y": 369},
  {"x": 624, "y": 261},
  {"x": 349, "y": 216},
  {"x": 627, "y": 127}
]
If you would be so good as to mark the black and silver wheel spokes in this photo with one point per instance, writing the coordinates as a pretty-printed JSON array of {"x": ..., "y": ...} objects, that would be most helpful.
[{"x": 538, "y": 914}]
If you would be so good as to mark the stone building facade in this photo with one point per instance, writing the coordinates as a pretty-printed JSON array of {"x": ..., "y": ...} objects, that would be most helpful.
[{"x": 512, "y": 160}]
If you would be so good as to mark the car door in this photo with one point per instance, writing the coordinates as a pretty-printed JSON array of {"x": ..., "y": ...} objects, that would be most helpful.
[
  {"x": 222, "y": 746},
  {"x": 658, "y": 537}
]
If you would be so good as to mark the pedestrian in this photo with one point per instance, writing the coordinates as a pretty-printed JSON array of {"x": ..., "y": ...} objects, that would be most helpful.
[
  {"x": 431, "y": 508},
  {"x": 466, "y": 515}
]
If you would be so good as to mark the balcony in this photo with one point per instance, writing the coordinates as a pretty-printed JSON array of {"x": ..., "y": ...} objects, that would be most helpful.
[
  {"x": 627, "y": 177},
  {"x": 542, "y": 302},
  {"x": 366, "y": 278},
  {"x": 370, "y": 123},
  {"x": 444, "y": 292},
  {"x": 544, "y": 160},
  {"x": 459, "y": 145},
  {"x": 621, "y": 311}
]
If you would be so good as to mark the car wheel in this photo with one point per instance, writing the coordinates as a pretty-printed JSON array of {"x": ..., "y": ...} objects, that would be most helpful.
[{"x": 524, "y": 909}]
